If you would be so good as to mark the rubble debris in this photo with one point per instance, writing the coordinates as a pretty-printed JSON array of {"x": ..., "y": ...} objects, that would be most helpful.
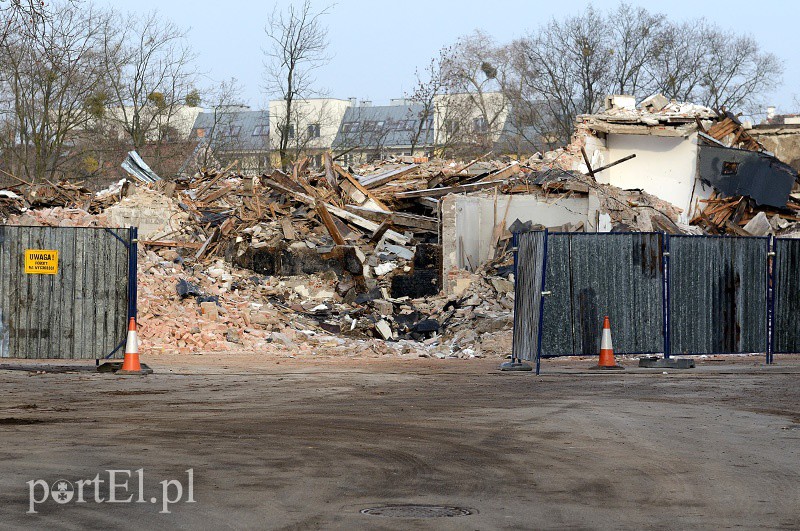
[{"x": 348, "y": 262}]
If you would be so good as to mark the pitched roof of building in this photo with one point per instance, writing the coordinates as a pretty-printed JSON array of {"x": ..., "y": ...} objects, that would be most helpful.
[
  {"x": 234, "y": 130},
  {"x": 382, "y": 126}
]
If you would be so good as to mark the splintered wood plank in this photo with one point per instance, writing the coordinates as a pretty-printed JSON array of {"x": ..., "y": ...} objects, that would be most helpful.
[
  {"x": 288, "y": 229},
  {"x": 341, "y": 171},
  {"x": 333, "y": 230}
]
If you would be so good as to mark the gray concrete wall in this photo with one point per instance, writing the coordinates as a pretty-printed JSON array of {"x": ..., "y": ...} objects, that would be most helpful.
[
  {"x": 468, "y": 222},
  {"x": 784, "y": 142}
]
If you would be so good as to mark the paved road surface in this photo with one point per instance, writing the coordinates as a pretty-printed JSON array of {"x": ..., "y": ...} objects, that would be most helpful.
[{"x": 296, "y": 445}]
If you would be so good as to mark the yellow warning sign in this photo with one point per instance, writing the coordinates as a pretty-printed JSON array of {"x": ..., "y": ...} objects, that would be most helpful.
[{"x": 41, "y": 261}]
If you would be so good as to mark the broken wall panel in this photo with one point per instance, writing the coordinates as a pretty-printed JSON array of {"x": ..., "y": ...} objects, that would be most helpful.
[
  {"x": 718, "y": 294},
  {"x": 527, "y": 309},
  {"x": 787, "y": 296},
  {"x": 594, "y": 275},
  {"x": 742, "y": 172}
]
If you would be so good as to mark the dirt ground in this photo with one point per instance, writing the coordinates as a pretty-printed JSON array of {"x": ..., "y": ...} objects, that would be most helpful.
[{"x": 285, "y": 443}]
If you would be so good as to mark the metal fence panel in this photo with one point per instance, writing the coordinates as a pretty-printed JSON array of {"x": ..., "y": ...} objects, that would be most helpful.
[
  {"x": 718, "y": 294},
  {"x": 557, "y": 336},
  {"x": 527, "y": 307},
  {"x": 787, "y": 296},
  {"x": 78, "y": 313},
  {"x": 618, "y": 275}
]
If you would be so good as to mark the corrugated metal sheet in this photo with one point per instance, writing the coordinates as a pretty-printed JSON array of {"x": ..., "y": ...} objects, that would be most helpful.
[
  {"x": 138, "y": 168},
  {"x": 787, "y": 295},
  {"x": 557, "y": 336},
  {"x": 78, "y": 313},
  {"x": 528, "y": 294},
  {"x": 594, "y": 275},
  {"x": 718, "y": 294}
]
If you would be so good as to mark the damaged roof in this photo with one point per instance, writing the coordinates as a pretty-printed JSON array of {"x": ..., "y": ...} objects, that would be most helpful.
[
  {"x": 655, "y": 116},
  {"x": 758, "y": 175}
]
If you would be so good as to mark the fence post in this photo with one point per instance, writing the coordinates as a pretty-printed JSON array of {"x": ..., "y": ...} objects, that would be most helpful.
[
  {"x": 665, "y": 292},
  {"x": 771, "y": 248},
  {"x": 133, "y": 263}
]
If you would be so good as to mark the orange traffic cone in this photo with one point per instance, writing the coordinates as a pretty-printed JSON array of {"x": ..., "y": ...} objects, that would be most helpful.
[
  {"x": 607, "y": 360},
  {"x": 130, "y": 364}
]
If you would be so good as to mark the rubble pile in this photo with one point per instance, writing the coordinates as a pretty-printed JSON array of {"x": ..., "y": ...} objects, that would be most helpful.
[
  {"x": 217, "y": 307},
  {"x": 348, "y": 261}
]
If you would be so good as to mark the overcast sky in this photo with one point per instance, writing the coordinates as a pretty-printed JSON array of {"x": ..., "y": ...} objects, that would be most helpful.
[{"x": 377, "y": 45}]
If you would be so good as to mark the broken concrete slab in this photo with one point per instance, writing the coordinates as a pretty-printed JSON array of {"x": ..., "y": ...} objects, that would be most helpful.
[{"x": 759, "y": 225}]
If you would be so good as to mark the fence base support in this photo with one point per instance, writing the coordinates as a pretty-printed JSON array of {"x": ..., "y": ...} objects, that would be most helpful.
[
  {"x": 666, "y": 363},
  {"x": 515, "y": 365},
  {"x": 116, "y": 368}
]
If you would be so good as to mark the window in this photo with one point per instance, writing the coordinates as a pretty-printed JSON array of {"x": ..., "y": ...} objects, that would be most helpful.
[
  {"x": 730, "y": 168},
  {"x": 451, "y": 126},
  {"x": 261, "y": 130},
  {"x": 290, "y": 131},
  {"x": 480, "y": 125},
  {"x": 230, "y": 130},
  {"x": 313, "y": 130},
  {"x": 347, "y": 127},
  {"x": 369, "y": 125}
]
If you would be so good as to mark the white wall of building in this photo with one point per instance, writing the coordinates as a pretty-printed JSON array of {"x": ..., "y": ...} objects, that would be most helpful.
[
  {"x": 462, "y": 108},
  {"x": 468, "y": 221},
  {"x": 327, "y": 112},
  {"x": 664, "y": 166}
]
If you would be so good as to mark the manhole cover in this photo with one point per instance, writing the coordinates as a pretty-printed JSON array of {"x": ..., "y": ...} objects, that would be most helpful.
[{"x": 417, "y": 511}]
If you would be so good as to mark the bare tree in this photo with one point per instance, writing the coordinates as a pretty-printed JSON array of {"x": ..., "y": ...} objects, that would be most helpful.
[
  {"x": 149, "y": 65},
  {"x": 474, "y": 74},
  {"x": 52, "y": 81},
  {"x": 21, "y": 17},
  {"x": 429, "y": 84},
  {"x": 217, "y": 135},
  {"x": 736, "y": 73},
  {"x": 677, "y": 61},
  {"x": 566, "y": 67},
  {"x": 297, "y": 46},
  {"x": 634, "y": 39}
]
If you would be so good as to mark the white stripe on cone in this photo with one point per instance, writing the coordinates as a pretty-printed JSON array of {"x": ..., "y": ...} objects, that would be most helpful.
[
  {"x": 605, "y": 343},
  {"x": 132, "y": 343}
]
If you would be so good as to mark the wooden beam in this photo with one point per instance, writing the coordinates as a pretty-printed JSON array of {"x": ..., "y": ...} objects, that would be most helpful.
[
  {"x": 169, "y": 243},
  {"x": 341, "y": 171},
  {"x": 400, "y": 219},
  {"x": 429, "y": 202},
  {"x": 340, "y": 213},
  {"x": 588, "y": 164},
  {"x": 333, "y": 230},
  {"x": 216, "y": 195},
  {"x": 373, "y": 181},
  {"x": 367, "y": 224},
  {"x": 440, "y": 192},
  {"x": 607, "y": 166},
  {"x": 504, "y": 173},
  {"x": 381, "y": 230}
]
